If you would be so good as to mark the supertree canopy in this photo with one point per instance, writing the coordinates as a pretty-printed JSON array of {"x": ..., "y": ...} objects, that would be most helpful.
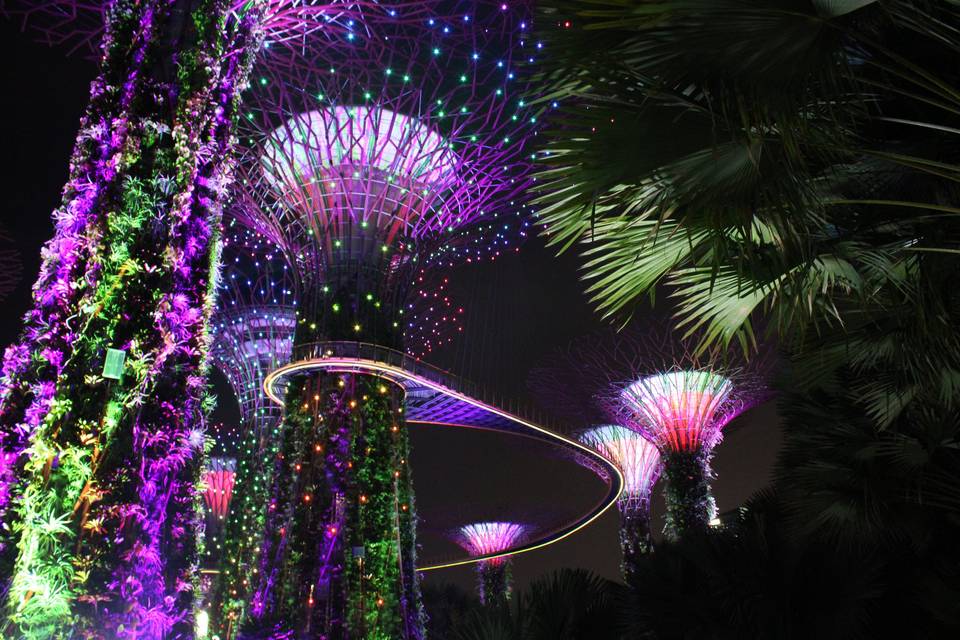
[
  {"x": 680, "y": 398},
  {"x": 397, "y": 149},
  {"x": 672, "y": 407},
  {"x": 639, "y": 460},
  {"x": 683, "y": 410},
  {"x": 484, "y": 538}
]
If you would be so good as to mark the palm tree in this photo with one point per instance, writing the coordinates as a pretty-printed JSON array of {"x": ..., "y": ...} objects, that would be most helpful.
[
  {"x": 791, "y": 160},
  {"x": 571, "y": 604},
  {"x": 783, "y": 156}
]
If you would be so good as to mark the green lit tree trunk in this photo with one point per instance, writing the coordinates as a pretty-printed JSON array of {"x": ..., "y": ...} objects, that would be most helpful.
[
  {"x": 635, "y": 540},
  {"x": 339, "y": 554},
  {"x": 101, "y": 540},
  {"x": 245, "y": 523},
  {"x": 494, "y": 581},
  {"x": 687, "y": 491}
]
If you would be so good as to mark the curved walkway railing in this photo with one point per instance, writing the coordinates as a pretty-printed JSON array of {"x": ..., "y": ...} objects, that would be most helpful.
[
  {"x": 507, "y": 416},
  {"x": 401, "y": 360}
]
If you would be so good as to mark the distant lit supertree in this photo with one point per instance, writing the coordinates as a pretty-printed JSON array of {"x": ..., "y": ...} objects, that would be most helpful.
[
  {"x": 639, "y": 460},
  {"x": 252, "y": 335},
  {"x": 494, "y": 580},
  {"x": 680, "y": 398},
  {"x": 570, "y": 384},
  {"x": 397, "y": 149}
]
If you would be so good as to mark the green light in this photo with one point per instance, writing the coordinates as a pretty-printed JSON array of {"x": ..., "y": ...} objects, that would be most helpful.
[
  {"x": 336, "y": 307},
  {"x": 113, "y": 364}
]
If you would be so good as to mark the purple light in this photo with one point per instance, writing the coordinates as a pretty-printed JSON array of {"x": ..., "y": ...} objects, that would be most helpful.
[
  {"x": 637, "y": 458},
  {"x": 360, "y": 170},
  {"x": 484, "y": 538},
  {"x": 681, "y": 410}
]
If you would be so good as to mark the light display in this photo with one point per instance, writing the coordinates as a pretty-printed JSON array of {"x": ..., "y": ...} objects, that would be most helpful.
[
  {"x": 571, "y": 383},
  {"x": 252, "y": 335},
  {"x": 392, "y": 152},
  {"x": 219, "y": 476},
  {"x": 100, "y": 537},
  {"x": 493, "y": 575},
  {"x": 680, "y": 399},
  {"x": 639, "y": 461},
  {"x": 656, "y": 384},
  {"x": 681, "y": 410}
]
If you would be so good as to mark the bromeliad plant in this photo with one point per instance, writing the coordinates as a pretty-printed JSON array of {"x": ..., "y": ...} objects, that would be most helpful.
[{"x": 99, "y": 467}]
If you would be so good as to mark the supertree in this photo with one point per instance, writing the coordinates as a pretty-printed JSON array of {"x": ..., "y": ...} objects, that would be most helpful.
[
  {"x": 405, "y": 154},
  {"x": 494, "y": 580},
  {"x": 639, "y": 460},
  {"x": 252, "y": 335},
  {"x": 571, "y": 383},
  {"x": 102, "y": 398},
  {"x": 680, "y": 398}
]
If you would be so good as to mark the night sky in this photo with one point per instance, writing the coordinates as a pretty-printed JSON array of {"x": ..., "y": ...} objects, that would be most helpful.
[{"x": 518, "y": 310}]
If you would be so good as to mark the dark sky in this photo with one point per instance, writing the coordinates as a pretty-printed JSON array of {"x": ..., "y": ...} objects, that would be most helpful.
[{"x": 518, "y": 310}]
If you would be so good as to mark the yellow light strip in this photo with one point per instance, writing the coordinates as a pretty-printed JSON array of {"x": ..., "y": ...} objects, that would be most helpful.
[{"x": 371, "y": 365}]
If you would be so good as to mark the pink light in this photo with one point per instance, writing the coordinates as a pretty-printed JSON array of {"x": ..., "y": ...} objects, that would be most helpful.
[
  {"x": 219, "y": 477},
  {"x": 680, "y": 410},
  {"x": 484, "y": 538},
  {"x": 345, "y": 166},
  {"x": 637, "y": 458}
]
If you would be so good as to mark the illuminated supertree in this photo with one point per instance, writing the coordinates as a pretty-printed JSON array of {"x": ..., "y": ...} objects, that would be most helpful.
[
  {"x": 101, "y": 400},
  {"x": 364, "y": 168},
  {"x": 570, "y": 384},
  {"x": 680, "y": 399},
  {"x": 252, "y": 335},
  {"x": 639, "y": 460},
  {"x": 494, "y": 581}
]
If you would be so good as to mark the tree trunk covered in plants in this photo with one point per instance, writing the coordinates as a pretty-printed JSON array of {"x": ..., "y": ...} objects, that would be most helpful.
[
  {"x": 338, "y": 552},
  {"x": 635, "y": 542},
  {"x": 687, "y": 491},
  {"x": 494, "y": 581},
  {"x": 246, "y": 522},
  {"x": 101, "y": 542}
]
